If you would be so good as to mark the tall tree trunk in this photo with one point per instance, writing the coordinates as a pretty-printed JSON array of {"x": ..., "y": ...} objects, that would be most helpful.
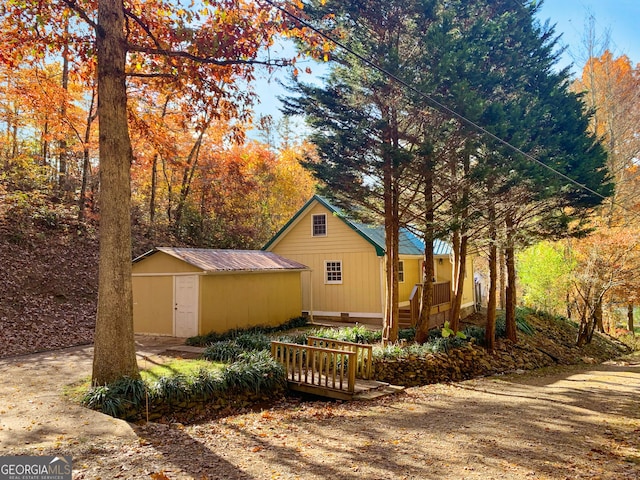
[
  {"x": 460, "y": 247},
  {"x": 597, "y": 316},
  {"x": 422, "y": 328},
  {"x": 510, "y": 290},
  {"x": 187, "y": 176},
  {"x": 460, "y": 272},
  {"x": 630, "y": 325},
  {"x": 490, "y": 330},
  {"x": 62, "y": 144},
  {"x": 390, "y": 324},
  {"x": 154, "y": 178},
  {"x": 45, "y": 144},
  {"x": 86, "y": 166},
  {"x": 114, "y": 352},
  {"x": 503, "y": 279}
]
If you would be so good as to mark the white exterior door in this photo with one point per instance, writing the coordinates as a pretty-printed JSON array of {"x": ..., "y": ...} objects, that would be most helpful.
[{"x": 185, "y": 316}]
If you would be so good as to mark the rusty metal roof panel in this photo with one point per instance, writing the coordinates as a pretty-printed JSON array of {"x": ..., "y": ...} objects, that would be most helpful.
[{"x": 219, "y": 260}]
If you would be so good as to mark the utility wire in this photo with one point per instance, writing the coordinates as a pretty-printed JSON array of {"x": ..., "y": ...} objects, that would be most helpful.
[{"x": 438, "y": 104}]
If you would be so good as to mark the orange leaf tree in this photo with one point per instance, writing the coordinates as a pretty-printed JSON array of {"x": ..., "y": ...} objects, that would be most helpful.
[{"x": 204, "y": 46}]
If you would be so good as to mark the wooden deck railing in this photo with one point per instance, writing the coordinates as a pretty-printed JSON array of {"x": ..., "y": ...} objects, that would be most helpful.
[
  {"x": 323, "y": 369},
  {"x": 441, "y": 295},
  {"x": 363, "y": 353}
]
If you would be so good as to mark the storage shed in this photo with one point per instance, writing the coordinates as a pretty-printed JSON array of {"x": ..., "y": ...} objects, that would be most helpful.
[{"x": 183, "y": 292}]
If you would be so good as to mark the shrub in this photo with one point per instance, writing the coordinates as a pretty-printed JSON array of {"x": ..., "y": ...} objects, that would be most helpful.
[
  {"x": 407, "y": 333},
  {"x": 355, "y": 334},
  {"x": 433, "y": 345},
  {"x": 211, "y": 337},
  {"x": 115, "y": 398},
  {"x": 223, "y": 351},
  {"x": 254, "y": 371},
  {"x": 231, "y": 350}
]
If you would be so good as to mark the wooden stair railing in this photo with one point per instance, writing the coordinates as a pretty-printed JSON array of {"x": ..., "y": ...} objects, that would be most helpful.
[
  {"x": 363, "y": 353},
  {"x": 324, "y": 371},
  {"x": 441, "y": 296}
]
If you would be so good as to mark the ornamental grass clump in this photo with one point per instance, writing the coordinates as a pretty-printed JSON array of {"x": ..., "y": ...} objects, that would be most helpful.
[
  {"x": 355, "y": 334},
  {"x": 231, "y": 350},
  {"x": 116, "y": 398},
  {"x": 212, "y": 337},
  {"x": 253, "y": 373}
]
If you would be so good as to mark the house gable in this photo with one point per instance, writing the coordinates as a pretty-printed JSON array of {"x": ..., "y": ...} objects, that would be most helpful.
[{"x": 335, "y": 221}]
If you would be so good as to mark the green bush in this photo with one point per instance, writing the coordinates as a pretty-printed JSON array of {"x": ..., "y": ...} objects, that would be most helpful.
[
  {"x": 407, "y": 333},
  {"x": 211, "y": 337},
  {"x": 254, "y": 372},
  {"x": 230, "y": 350},
  {"x": 299, "y": 339},
  {"x": 433, "y": 345},
  {"x": 223, "y": 351},
  {"x": 355, "y": 334},
  {"x": 115, "y": 398}
]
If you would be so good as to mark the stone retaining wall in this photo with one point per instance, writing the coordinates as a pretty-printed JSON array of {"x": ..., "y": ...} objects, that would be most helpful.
[{"x": 458, "y": 364}]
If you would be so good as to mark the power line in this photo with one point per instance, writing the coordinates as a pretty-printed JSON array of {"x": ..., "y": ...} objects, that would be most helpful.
[{"x": 439, "y": 105}]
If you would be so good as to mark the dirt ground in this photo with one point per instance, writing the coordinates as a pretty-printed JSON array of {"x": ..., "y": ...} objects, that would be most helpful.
[{"x": 563, "y": 423}]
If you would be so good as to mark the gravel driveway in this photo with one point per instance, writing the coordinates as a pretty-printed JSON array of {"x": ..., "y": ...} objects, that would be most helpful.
[{"x": 563, "y": 423}]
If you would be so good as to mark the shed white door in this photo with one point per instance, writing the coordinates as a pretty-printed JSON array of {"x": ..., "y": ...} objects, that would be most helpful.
[{"x": 186, "y": 305}]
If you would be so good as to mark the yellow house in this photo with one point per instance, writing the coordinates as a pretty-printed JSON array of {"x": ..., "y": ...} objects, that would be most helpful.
[
  {"x": 346, "y": 259},
  {"x": 184, "y": 292}
]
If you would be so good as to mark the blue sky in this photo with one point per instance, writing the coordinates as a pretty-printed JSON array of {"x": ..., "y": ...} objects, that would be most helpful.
[{"x": 620, "y": 17}]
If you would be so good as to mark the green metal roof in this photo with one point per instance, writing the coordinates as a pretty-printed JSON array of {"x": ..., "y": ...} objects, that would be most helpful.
[{"x": 410, "y": 244}]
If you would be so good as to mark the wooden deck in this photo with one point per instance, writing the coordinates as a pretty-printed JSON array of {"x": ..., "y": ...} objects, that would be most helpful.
[{"x": 330, "y": 368}]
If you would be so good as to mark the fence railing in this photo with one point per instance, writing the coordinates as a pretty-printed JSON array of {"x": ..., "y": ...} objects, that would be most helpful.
[
  {"x": 363, "y": 353},
  {"x": 322, "y": 368},
  {"x": 441, "y": 296}
]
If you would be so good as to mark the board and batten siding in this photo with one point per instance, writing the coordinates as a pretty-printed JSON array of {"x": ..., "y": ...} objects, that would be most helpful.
[
  {"x": 231, "y": 301},
  {"x": 160, "y": 262},
  {"x": 153, "y": 304},
  {"x": 412, "y": 275},
  {"x": 360, "y": 291}
]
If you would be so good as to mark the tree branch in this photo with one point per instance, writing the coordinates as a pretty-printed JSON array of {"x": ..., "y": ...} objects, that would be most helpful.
[
  {"x": 207, "y": 60},
  {"x": 82, "y": 14},
  {"x": 151, "y": 75}
]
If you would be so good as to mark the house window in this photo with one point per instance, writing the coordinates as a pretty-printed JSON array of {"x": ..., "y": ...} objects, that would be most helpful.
[
  {"x": 319, "y": 225},
  {"x": 333, "y": 272},
  {"x": 401, "y": 271}
]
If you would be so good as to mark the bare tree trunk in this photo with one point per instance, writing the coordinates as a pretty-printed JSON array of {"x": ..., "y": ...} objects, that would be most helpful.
[
  {"x": 510, "y": 290},
  {"x": 460, "y": 271},
  {"x": 114, "y": 352},
  {"x": 503, "y": 280},
  {"x": 154, "y": 178},
  {"x": 86, "y": 166},
  {"x": 187, "y": 176},
  {"x": 62, "y": 144},
  {"x": 490, "y": 329},
  {"x": 390, "y": 324},
  {"x": 422, "y": 328},
  {"x": 597, "y": 317},
  {"x": 630, "y": 325}
]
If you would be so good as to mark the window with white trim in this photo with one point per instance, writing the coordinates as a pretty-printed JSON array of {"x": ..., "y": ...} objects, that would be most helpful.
[
  {"x": 401, "y": 271},
  {"x": 333, "y": 272},
  {"x": 319, "y": 225}
]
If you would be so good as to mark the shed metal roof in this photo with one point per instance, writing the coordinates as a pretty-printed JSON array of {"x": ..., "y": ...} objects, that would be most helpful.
[{"x": 219, "y": 260}]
